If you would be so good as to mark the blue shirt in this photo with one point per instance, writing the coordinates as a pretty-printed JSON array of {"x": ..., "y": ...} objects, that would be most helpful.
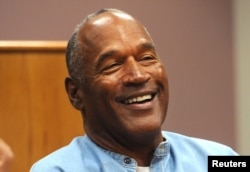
[{"x": 178, "y": 153}]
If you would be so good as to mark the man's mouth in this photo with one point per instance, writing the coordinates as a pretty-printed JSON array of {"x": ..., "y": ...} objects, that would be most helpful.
[{"x": 139, "y": 99}]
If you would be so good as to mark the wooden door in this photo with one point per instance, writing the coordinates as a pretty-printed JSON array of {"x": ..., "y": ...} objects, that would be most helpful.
[{"x": 36, "y": 116}]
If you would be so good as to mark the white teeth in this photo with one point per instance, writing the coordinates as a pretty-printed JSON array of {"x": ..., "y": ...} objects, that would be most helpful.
[{"x": 138, "y": 99}]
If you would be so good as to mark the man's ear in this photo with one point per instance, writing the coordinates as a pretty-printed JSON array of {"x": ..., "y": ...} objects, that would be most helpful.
[{"x": 74, "y": 93}]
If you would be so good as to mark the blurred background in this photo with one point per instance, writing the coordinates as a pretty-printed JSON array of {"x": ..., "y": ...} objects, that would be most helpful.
[{"x": 205, "y": 46}]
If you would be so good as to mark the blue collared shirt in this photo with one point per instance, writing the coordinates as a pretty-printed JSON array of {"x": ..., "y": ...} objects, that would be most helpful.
[{"x": 179, "y": 153}]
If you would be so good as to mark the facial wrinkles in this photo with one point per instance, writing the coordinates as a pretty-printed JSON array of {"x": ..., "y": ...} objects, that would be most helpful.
[{"x": 97, "y": 35}]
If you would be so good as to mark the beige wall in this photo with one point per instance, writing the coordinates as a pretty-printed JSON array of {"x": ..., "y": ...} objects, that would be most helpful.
[
  {"x": 193, "y": 37},
  {"x": 242, "y": 73}
]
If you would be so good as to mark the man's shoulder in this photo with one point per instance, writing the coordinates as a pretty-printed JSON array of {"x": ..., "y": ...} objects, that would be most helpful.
[
  {"x": 192, "y": 144},
  {"x": 73, "y": 153}
]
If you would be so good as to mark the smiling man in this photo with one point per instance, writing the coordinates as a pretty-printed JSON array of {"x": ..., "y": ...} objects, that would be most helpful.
[{"x": 120, "y": 85}]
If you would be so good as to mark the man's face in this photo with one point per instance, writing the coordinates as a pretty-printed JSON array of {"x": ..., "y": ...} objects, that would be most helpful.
[{"x": 126, "y": 88}]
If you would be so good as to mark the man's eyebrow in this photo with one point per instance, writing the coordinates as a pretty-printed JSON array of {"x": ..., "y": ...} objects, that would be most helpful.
[{"x": 147, "y": 45}]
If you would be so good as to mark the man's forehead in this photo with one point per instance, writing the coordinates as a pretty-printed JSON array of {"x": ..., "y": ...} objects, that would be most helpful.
[{"x": 112, "y": 27}]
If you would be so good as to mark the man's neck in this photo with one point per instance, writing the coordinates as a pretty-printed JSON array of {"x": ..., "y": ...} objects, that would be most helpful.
[{"x": 140, "y": 147}]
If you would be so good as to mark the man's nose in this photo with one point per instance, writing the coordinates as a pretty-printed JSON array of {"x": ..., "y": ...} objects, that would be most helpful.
[{"x": 134, "y": 73}]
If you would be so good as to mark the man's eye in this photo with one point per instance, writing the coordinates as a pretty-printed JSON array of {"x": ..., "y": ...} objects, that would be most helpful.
[
  {"x": 148, "y": 58},
  {"x": 111, "y": 67}
]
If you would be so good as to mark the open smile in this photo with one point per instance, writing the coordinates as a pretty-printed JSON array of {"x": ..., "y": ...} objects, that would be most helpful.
[{"x": 139, "y": 99}]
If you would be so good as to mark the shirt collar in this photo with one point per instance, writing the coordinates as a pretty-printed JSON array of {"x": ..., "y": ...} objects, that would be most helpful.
[{"x": 161, "y": 150}]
